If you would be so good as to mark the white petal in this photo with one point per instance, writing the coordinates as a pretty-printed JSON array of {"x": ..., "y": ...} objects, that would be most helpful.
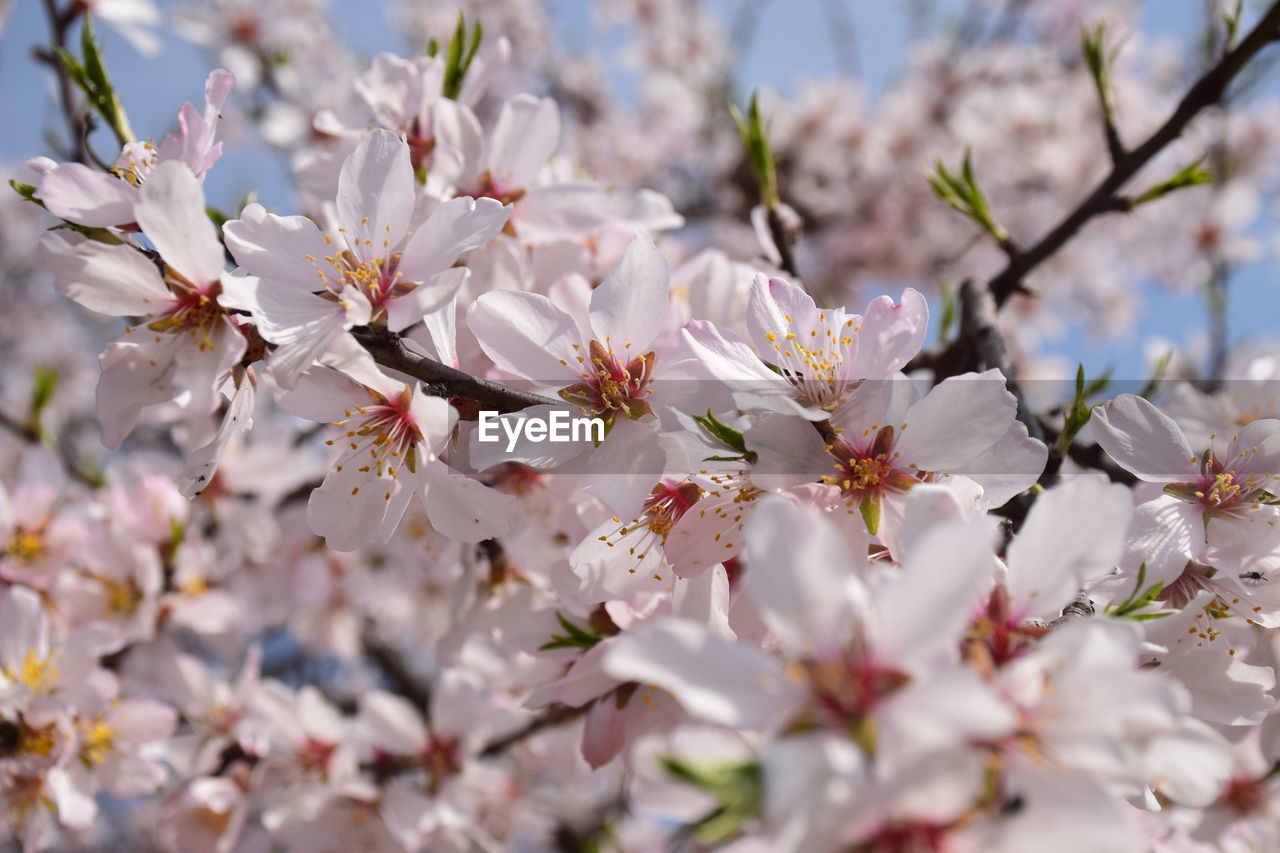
[
  {"x": 525, "y": 334},
  {"x": 76, "y": 193},
  {"x": 453, "y": 229},
  {"x": 957, "y": 420},
  {"x": 1144, "y": 440},
  {"x": 802, "y": 577},
  {"x": 713, "y": 678},
  {"x": 1074, "y": 532},
  {"x": 171, "y": 213},
  {"x": 284, "y": 250},
  {"x": 376, "y": 194},
  {"x": 114, "y": 280},
  {"x": 628, "y": 309},
  {"x": 527, "y": 133}
]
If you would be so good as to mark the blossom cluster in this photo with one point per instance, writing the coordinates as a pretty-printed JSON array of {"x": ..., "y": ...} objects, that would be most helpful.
[{"x": 814, "y": 585}]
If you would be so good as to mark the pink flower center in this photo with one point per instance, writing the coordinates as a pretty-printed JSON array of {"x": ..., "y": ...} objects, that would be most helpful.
[
  {"x": 609, "y": 386},
  {"x": 385, "y": 430}
]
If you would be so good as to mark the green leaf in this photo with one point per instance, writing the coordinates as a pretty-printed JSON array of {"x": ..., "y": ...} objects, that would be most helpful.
[
  {"x": 573, "y": 637},
  {"x": 759, "y": 151},
  {"x": 738, "y": 788},
  {"x": 460, "y": 53},
  {"x": 1099, "y": 63},
  {"x": 962, "y": 193},
  {"x": 725, "y": 434},
  {"x": 1188, "y": 176},
  {"x": 1139, "y": 599},
  {"x": 43, "y": 386},
  {"x": 26, "y": 191},
  {"x": 90, "y": 76}
]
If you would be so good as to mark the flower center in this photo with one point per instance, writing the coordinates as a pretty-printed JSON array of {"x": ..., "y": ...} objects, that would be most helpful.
[
  {"x": 812, "y": 360},
  {"x": 386, "y": 431},
  {"x": 38, "y": 674},
  {"x": 194, "y": 309},
  {"x": 1220, "y": 488},
  {"x": 26, "y": 546},
  {"x": 96, "y": 741},
  {"x": 609, "y": 386}
]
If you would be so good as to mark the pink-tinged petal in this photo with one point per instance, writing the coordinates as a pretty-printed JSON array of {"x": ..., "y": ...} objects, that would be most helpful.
[
  {"x": 708, "y": 534},
  {"x": 925, "y": 607},
  {"x": 453, "y": 229},
  {"x": 459, "y": 144},
  {"x": 713, "y": 678},
  {"x": 526, "y": 335},
  {"x": 910, "y": 725},
  {"x": 78, "y": 194},
  {"x": 1075, "y": 532},
  {"x": 1190, "y": 766},
  {"x": 1254, "y": 452},
  {"x": 705, "y": 600},
  {"x": 729, "y": 358},
  {"x": 138, "y": 721},
  {"x": 114, "y": 280},
  {"x": 1226, "y": 690},
  {"x": 308, "y": 327},
  {"x": 629, "y": 308},
  {"x": 585, "y": 680},
  {"x": 889, "y": 336},
  {"x": 1165, "y": 534},
  {"x": 790, "y": 453},
  {"x": 604, "y": 733},
  {"x": 958, "y": 420},
  {"x": 613, "y": 567},
  {"x": 1011, "y": 466},
  {"x": 622, "y": 471},
  {"x": 322, "y": 394},
  {"x": 352, "y": 509},
  {"x": 561, "y": 211},
  {"x": 203, "y": 462},
  {"x": 392, "y": 724},
  {"x": 803, "y": 577},
  {"x": 1143, "y": 440},
  {"x": 427, "y": 298},
  {"x": 376, "y": 194},
  {"x": 284, "y": 250},
  {"x": 774, "y": 309},
  {"x": 137, "y": 371},
  {"x": 526, "y": 135},
  {"x": 26, "y": 627},
  {"x": 171, "y": 213},
  {"x": 460, "y": 507}
]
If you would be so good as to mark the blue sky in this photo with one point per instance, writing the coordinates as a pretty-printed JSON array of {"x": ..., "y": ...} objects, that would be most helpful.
[{"x": 792, "y": 43}]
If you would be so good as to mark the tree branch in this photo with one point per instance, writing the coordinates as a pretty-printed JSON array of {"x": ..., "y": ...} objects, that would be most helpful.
[
  {"x": 390, "y": 349},
  {"x": 1206, "y": 92}
]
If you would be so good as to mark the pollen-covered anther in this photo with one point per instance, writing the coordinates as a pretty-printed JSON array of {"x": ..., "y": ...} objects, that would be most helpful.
[{"x": 612, "y": 386}]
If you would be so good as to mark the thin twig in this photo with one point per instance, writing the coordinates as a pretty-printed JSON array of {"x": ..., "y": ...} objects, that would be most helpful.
[
  {"x": 1207, "y": 91},
  {"x": 391, "y": 350}
]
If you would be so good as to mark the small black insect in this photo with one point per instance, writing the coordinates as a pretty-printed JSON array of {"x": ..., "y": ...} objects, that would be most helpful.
[
  {"x": 10, "y": 737},
  {"x": 1254, "y": 578}
]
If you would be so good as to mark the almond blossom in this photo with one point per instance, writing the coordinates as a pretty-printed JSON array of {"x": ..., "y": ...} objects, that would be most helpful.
[
  {"x": 305, "y": 287},
  {"x": 1218, "y": 491}
]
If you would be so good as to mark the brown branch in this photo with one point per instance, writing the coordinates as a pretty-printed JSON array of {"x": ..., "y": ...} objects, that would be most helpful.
[
  {"x": 401, "y": 678},
  {"x": 1207, "y": 91},
  {"x": 394, "y": 351},
  {"x": 77, "y": 118},
  {"x": 554, "y": 715}
]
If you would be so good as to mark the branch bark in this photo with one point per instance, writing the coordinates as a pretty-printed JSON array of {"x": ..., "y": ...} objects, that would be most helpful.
[{"x": 394, "y": 351}]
